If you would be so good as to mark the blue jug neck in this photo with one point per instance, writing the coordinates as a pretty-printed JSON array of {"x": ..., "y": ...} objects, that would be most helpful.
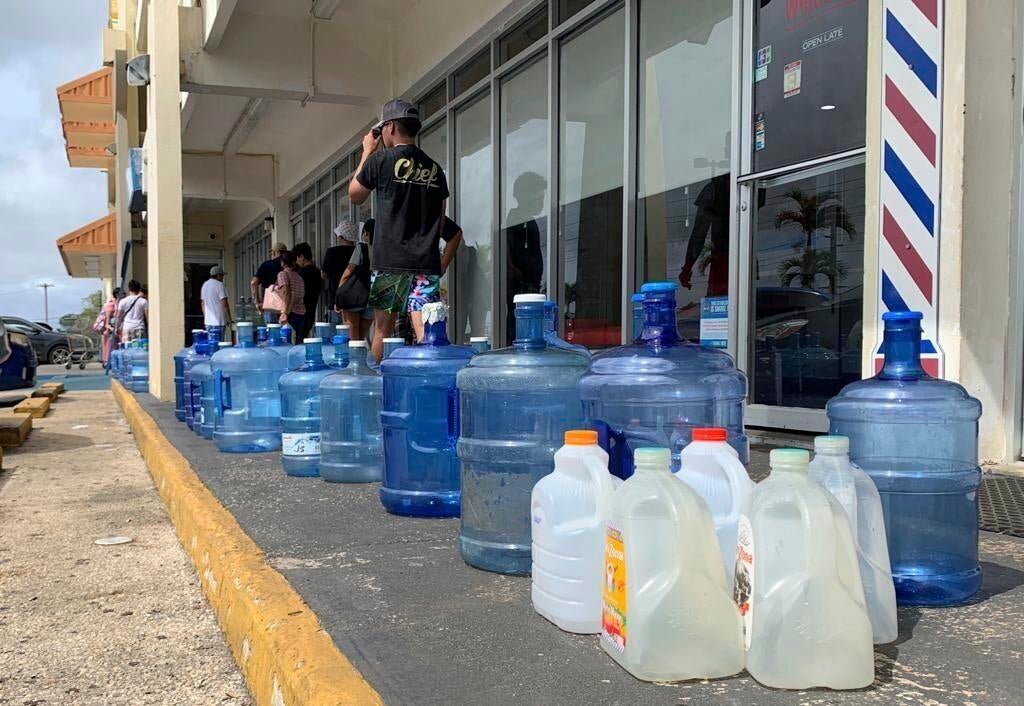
[
  {"x": 286, "y": 335},
  {"x": 245, "y": 337},
  {"x": 323, "y": 332},
  {"x": 273, "y": 337},
  {"x": 357, "y": 361},
  {"x": 314, "y": 357},
  {"x": 261, "y": 335},
  {"x": 659, "y": 329},
  {"x": 901, "y": 345},
  {"x": 530, "y": 326},
  {"x": 436, "y": 334},
  {"x": 341, "y": 356}
]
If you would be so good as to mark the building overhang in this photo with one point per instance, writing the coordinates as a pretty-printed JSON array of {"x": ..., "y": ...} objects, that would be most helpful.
[
  {"x": 87, "y": 119},
  {"x": 91, "y": 251}
]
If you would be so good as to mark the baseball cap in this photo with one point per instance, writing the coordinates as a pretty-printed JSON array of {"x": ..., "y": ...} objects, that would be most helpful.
[
  {"x": 397, "y": 110},
  {"x": 216, "y": 270}
]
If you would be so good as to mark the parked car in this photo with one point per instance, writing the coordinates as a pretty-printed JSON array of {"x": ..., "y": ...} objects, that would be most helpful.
[
  {"x": 18, "y": 360},
  {"x": 50, "y": 346}
]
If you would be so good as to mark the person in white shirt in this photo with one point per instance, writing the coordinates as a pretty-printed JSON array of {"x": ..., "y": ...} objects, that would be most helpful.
[
  {"x": 214, "y": 300},
  {"x": 132, "y": 313}
]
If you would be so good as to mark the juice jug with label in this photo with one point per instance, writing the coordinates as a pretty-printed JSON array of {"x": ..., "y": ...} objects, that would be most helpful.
[
  {"x": 667, "y": 614},
  {"x": 797, "y": 584},
  {"x": 856, "y": 492},
  {"x": 569, "y": 511},
  {"x": 300, "y": 413},
  {"x": 713, "y": 469}
]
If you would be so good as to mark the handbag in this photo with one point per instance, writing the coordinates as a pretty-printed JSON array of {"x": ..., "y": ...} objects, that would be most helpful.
[{"x": 354, "y": 293}]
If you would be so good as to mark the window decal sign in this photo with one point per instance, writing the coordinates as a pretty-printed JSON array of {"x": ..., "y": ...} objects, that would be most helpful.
[{"x": 791, "y": 78}]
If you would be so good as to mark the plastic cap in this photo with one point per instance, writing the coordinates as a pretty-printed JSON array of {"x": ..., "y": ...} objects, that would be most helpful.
[
  {"x": 580, "y": 437},
  {"x": 529, "y": 299},
  {"x": 243, "y": 324},
  {"x": 394, "y": 340},
  {"x": 341, "y": 327},
  {"x": 198, "y": 330},
  {"x": 224, "y": 344},
  {"x": 659, "y": 287},
  {"x": 831, "y": 444},
  {"x": 312, "y": 340},
  {"x": 652, "y": 458},
  {"x": 273, "y": 325},
  {"x": 478, "y": 339},
  {"x": 789, "y": 458},
  {"x": 710, "y": 434},
  {"x": 321, "y": 323},
  {"x": 357, "y": 344},
  {"x": 639, "y": 297},
  {"x": 902, "y": 316}
]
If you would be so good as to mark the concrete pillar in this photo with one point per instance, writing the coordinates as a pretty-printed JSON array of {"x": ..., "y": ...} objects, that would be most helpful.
[{"x": 165, "y": 244}]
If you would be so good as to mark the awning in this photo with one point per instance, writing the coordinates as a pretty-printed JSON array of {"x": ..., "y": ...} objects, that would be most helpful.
[
  {"x": 87, "y": 116},
  {"x": 91, "y": 251}
]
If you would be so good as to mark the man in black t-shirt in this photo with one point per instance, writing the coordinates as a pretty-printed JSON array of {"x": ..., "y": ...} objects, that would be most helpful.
[
  {"x": 312, "y": 283},
  {"x": 412, "y": 193}
]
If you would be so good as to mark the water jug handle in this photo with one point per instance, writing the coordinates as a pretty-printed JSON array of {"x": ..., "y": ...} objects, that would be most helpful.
[
  {"x": 736, "y": 472},
  {"x": 453, "y": 416},
  {"x": 603, "y": 482},
  {"x": 221, "y": 392},
  {"x": 619, "y": 458}
]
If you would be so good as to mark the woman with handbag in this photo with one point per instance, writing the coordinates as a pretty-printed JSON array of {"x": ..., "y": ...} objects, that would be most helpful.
[
  {"x": 353, "y": 292},
  {"x": 287, "y": 294}
]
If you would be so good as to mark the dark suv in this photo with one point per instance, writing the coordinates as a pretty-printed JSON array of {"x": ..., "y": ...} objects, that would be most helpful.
[{"x": 50, "y": 346}]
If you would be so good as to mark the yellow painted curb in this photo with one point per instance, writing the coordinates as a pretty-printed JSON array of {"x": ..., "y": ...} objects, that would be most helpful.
[{"x": 286, "y": 656}]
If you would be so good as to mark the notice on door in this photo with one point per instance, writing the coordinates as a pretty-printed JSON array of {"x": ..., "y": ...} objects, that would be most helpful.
[
  {"x": 791, "y": 78},
  {"x": 714, "y": 322}
]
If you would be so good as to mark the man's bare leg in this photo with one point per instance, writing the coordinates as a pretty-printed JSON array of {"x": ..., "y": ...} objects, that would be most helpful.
[
  {"x": 417, "y": 324},
  {"x": 383, "y": 327}
]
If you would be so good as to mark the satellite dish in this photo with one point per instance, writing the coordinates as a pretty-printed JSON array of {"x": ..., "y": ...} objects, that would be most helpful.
[{"x": 138, "y": 71}]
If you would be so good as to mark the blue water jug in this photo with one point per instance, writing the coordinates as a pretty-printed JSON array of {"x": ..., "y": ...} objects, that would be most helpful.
[
  {"x": 515, "y": 406},
  {"x": 917, "y": 437},
  {"x": 261, "y": 336},
  {"x": 325, "y": 332},
  {"x": 179, "y": 375},
  {"x": 637, "y": 303},
  {"x": 247, "y": 403},
  {"x": 139, "y": 362},
  {"x": 288, "y": 334},
  {"x": 300, "y": 413},
  {"x": 202, "y": 379},
  {"x": 656, "y": 392},
  {"x": 277, "y": 343},
  {"x": 551, "y": 332},
  {"x": 480, "y": 344},
  {"x": 340, "y": 341},
  {"x": 391, "y": 345},
  {"x": 201, "y": 351},
  {"x": 420, "y": 421},
  {"x": 350, "y": 435}
]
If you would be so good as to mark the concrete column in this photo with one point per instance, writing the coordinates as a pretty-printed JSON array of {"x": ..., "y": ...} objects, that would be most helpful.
[{"x": 165, "y": 244}]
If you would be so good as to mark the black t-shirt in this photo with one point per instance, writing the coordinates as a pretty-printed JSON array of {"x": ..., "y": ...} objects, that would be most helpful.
[
  {"x": 310, "y": 275},
  {"x": 411, "y": 189},
  {"x": 268, "y": 272},
  {"x": 335, "y": 261}
]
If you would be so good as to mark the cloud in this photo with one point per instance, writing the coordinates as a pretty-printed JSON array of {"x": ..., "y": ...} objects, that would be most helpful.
[{"x": 41, "y": 197}]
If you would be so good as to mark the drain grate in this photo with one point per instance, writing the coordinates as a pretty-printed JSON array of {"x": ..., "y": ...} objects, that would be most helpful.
[{"x": 1001, "y": 505}]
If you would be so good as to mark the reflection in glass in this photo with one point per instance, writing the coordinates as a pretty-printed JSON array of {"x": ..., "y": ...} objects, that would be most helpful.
[
  {"x": 473, "y": 260},
  {"x": 343, "y": 209},
  {"x": 471, "y": 73},
  {"x": 524, "y": 197},
  {"x": 432, "y": 102},
  {"x": 523, "y": 35},
  {"x": 683, "y": 151},
  {"x": 568, "y": 8},
  {"x": 434, "y": 141},
  {"x": 591, "y": 99},
  {"x": 809, "y": 287}
]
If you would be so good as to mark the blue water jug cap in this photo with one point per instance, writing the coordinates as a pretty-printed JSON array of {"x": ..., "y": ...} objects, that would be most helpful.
[
  {"x": 902, "y": 316},
  {"x": 659, "y": 288},
  {"x": 638, "y": 297}
]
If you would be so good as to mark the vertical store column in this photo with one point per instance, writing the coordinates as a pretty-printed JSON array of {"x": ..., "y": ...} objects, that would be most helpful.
[{"x": 165, "y": 229}]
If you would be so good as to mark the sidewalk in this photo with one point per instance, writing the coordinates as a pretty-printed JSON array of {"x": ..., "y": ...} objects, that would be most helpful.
[
  {"x": 425, "y": 628},
  {"x": 88, "y": 624}
]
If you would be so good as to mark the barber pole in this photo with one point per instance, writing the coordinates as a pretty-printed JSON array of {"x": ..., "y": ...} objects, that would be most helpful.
[{"x": 910, "y": 162}]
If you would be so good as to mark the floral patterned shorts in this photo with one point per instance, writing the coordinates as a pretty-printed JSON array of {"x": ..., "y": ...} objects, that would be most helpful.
[{"x": 395, "y": 292}]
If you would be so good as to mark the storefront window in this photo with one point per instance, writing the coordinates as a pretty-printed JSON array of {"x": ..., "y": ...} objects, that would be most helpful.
[
  {"x": 523, "y": 35},
  {"x": 809, "y": 80},
  {"x": 808, "y": 248},
  {"x": 434, "y": 141},
  {"x": 524, "y": 186},
  {"x": 432, "y": 102},
  {"x": 591, "y": 99},
  {"x": 683, "y": 154},
  {"x": 326, "y": 225},
  {"x": 343, "y": 207},
  {"x": 473, "y": 186},
  {"x": 568, "y": 8},
  {"x": 474, "y": 71}
]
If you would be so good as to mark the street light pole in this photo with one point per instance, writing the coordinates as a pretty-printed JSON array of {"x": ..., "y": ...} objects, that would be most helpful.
[{"x": 46, "y": 300}]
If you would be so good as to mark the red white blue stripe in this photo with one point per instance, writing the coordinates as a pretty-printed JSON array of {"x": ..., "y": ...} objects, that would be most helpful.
[{"x": 911, "y": 158}]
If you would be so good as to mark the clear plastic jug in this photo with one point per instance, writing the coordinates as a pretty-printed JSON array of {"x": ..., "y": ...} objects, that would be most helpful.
[
  {"x": 138, "y": 366},
  {"x": 179, "y": 375},
  {"x": 713, "y": 469},
  {"x": 480, "y": 344},
  {"x": 569, "y": 509},
  {"x": 798, "y": 586},
  {"x": 247, "y": 403},
  {"x": 325, "y": 332},
  {"x": 420, "y": 420},
  {"x": 340, "y": 342},
  {"x": 917, "y": 437},
  {"x": 551, "y": 332},
  {"x": 200, "y": 352},
  {"x": 667, "y": 612},
  {"x": 202, "y": 376},
  {"x": 391, "y": 345},
  {"x": 516, "y": 404},
  {"x": 350, "y": 432},
  {"x": 856, "y": 492},
  {"x": 654, "y": 393},
  {"x": 300, "y": 413}
]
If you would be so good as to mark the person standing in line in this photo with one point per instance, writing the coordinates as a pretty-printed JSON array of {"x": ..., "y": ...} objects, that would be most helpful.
[
  {"x": 213, "y": 298},
  {"x": 108, "y": 316},
  {"x": 352, "y": 295},
  {"x": 421, "y": 293},
  {"x": 287, "y": 294},
  {"x": 312, "y": 283},
  {"x": 266, "y": 275},
  {"x": 412, "y": 193},
  {"x": 336, "y": 259},
  {"x": 133, "y": 313}
]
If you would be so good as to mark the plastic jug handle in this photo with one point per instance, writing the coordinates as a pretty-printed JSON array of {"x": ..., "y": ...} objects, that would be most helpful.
[
  {"x": 620, "y": 458},
  {"x": 602, "y": 481},
  {"x": 453, "y": 416},
  {"x": 221, "y": 392},
  {"x": 739, "y": 481}
]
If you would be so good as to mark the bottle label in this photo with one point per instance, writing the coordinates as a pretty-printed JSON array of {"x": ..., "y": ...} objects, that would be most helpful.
[
  {"x": 743, "y": 585},
  {"x": 300, "y": 444},
  {"x": 613, "y": 610}
]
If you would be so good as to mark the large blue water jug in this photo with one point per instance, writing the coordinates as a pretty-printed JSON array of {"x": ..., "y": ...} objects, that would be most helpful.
[
  {"x": 420, "y": 421},
  {"x": 138, "y": 361},
  {"x": 300, "y": 413},
  {"x": 261, "y": 336},
  {"x": 124, "y": 372},
  {"x": 246, "y": 399},
  {"x": 179, "y": 375},
  {"x": 350, "y": 435},
  {"x": 203, "y": 346},
  {"x": 516, "y": 404},
  {"x": 202, "y": 378},
  {"x": 656, "y": 392},
  {"x": 551, "y": 332},
  {"x": 340, "y": 342},
  {"x": 917, "y": 437},
  {"x": 480, "y": 344},
  {"x": 325, "y": 332},
  {"x": 637, "y": 304}
]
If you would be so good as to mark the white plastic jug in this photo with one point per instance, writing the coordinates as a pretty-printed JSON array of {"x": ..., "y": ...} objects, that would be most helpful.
[
  {"x": 713, "y": 468},
  {"x": 856, "y": 492},
  {"x": 798, "y": 586},
  {"x": 667, "y": 613},
  {"x": 569, "y": 511}
]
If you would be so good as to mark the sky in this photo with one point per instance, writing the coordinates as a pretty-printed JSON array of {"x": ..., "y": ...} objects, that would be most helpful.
[{"x": 41, "y": 197}]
